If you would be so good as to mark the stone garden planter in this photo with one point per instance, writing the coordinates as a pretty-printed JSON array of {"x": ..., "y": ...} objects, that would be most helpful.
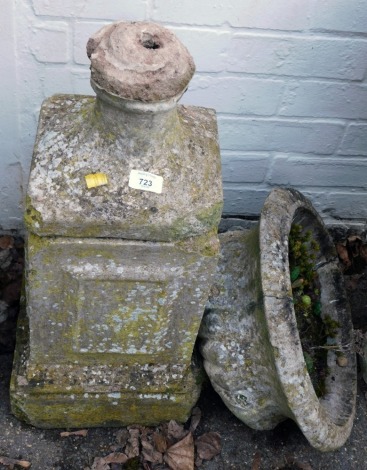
[{"x": 250, "y": 340}]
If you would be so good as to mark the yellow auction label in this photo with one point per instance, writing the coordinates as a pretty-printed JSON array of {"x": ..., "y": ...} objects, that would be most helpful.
[{"x": 94, "y": 180}]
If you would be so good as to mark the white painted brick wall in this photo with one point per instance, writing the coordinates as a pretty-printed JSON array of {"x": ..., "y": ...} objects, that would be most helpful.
[
  {"x": 54, "y": 33},
  {"x": 335, "y": 100},
  {"x": 289, "y": 135},
  {"x": 287, "y": 78},
  {"x": 297, "y": 56},
  {"x": 339, "y": 15},
  {"x": 355, "y": 140}
]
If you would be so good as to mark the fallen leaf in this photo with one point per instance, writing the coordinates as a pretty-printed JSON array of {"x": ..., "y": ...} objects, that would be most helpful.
[
  {"x": 116, "y": 466},
  {"x": 145, "y": 432},
  {"x": 256, "y": 462},
  {"x": 132, "y": 446},
  {"x": 180, "y": 456},
  {"x": 11, "y": 293},
  {"x": 8, "y": 462},
  {"x": 352, "y": 281},
  {"x": 354, "y": 243},
  {"x": 160, "y": 442},
  {"x": 208, "y": 445},
  {"x": 99, "y": 463},
  {"x": 343, "y": 255},
  {"x": 6, "y": 241},
  {"x": 122, "y": 437},
  {"x": 116, "y": 457},
  {"x": 176, "y": 430},
  {"x": 363, "y": 252},
  {"x": 195, "y": 419},
  {"x": 81, "y": 432},
  {"x": 150, "y": 454}
]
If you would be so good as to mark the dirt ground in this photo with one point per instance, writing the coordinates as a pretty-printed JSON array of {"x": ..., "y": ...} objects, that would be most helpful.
[{"x": 241, "y": 447}]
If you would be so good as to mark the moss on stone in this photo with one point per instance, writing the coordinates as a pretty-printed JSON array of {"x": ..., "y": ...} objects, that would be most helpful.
[
  {"x": 74, "y": 130},
  {"x": 32, "y": 217}
]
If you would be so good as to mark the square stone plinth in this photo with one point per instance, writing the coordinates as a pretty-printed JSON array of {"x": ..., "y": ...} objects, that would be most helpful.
[
  {"x": 107, "y": 334},
  {"x": 73, "y": 142}
]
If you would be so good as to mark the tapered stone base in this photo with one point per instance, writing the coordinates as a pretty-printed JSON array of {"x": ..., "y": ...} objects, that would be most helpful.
[
  {"x": 109, "y": 341},
  {"x": 66, "y": 410},
  {"x": 164, "y": 393},
  {"x": 70, "y": 410}
]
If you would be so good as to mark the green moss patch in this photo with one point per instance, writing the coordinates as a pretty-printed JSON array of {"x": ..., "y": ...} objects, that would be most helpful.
[{"x": 317, "y": 331}]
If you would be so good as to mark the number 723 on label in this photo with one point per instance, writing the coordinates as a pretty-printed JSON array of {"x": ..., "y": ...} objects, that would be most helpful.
[{"x": 145, "y": 181}]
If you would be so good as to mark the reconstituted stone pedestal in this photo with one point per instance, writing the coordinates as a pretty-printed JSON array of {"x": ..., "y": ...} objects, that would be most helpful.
[
  {"x": 118, "y": 270},
  {"x": 106, "y": 342}
]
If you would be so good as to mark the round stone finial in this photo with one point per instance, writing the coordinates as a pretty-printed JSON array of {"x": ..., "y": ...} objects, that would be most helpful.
[{"x": 139, "y": 61}]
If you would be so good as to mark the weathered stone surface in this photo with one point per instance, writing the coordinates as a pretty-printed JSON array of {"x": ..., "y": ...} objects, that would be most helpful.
[
  {"x": 114, "y": 321},
  {"x": 74, "y": 394},
  {"x": 128, "y": 300},
  {"x": 140, "y": 61},
  {"x": 117, "y": 275},
  {"x": 78, "y": 136},
  {"x": 251, "y": 345}
]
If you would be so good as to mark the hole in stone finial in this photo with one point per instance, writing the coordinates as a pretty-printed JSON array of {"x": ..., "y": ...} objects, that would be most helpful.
[{"x": 150, "y": 42}]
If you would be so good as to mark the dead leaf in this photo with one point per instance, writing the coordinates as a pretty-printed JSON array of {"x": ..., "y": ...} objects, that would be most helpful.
[
  {"x": 343, "y": 255},
  {"x": 122, "y": 437},
  {"x": 99, "y": 463},
  {"x": 256, "y": 462},
  {"x": 145, "y": 432},
  {"x": 132, "y": 446},
  {"x": 8, "y": 462},
  {"x": 354, "y": 243},
  {"x": 160, "y": 442},
  {"x": 195, "y": 419},
  {"x": 150, "y": 454},
  {"x": 352, "y": 282},
  {"x": 180, "y": 456},
  {"x": 81, "y": 432},
  {"x": 176, "y": 430},
  {"x": 6, "y": 242},
  {"x": 363, "y": 252},
  {"x": 11, "y": 293},
  {"x": 116, "y": 457},
  {"x": 208, "y": 445}
]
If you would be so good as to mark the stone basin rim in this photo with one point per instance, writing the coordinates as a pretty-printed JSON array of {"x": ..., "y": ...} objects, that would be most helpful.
[{"x": 330, "y": 433}]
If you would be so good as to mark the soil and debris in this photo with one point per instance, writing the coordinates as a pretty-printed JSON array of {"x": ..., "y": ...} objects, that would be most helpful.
[
  {"x": 212, "y": 439},
  {"x": 11, "y": 271}
]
